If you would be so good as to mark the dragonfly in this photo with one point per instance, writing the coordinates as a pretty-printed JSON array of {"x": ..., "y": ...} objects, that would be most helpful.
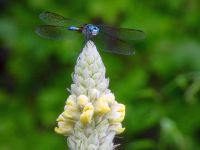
[{"x": 110, "y": 39}]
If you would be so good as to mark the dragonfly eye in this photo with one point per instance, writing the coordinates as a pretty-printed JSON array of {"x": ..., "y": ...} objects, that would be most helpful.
[{"x": 96, "y": 28}]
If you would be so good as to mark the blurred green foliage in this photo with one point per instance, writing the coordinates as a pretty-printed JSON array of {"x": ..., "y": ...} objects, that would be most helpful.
[{"x": 160, "y": 85}]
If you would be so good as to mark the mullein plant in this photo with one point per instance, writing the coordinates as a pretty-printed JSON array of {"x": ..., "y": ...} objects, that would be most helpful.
[{"x": 91, "y": 117}]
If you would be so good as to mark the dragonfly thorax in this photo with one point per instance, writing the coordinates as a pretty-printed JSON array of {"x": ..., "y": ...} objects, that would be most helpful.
[{"x": 90, "y": 30}]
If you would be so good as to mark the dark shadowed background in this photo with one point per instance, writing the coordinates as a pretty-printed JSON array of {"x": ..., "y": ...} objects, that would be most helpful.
[{"x": 160, "y": 85}]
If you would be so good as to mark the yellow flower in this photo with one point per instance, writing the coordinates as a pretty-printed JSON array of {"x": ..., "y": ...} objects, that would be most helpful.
[
  {"x": 65, "y": 126},
  {"x": 101, "y": 107},
  {"x": 87, "y": 114},
  {"x": 70, "y": 114},
  {"x": 71, "y": 110},
  {"x": 117, "y": 113}
]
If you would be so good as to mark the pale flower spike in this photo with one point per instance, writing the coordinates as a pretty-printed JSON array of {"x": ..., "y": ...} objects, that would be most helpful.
[{"x": 91, "y": 117}]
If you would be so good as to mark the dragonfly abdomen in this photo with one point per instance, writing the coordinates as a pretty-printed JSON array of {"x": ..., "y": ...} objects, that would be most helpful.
[{"x": 73, "y": 28}]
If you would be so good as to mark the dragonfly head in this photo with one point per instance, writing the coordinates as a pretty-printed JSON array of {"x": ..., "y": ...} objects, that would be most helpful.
[{"x": 92, "y": 29}]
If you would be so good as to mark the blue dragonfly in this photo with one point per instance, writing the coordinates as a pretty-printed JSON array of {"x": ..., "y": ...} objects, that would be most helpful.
[{"x": 110, "y": 39}]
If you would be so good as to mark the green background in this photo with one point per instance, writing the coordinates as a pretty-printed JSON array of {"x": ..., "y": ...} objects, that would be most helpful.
[{"x": 160, "y": 84}]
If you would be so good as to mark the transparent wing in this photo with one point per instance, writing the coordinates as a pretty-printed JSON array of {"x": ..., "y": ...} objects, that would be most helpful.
[
  {"x": 55, "y": 32},
  {"x": 57, "y": 20},
  {"x": 111, "y": 44},
  {"x": 122, "y": 33}
]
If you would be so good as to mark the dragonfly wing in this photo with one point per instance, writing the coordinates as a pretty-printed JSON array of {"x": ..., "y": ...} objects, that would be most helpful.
[
  {"x": 55, "y": 32},
  {"x": 113, "y": 45},
  {"x": 57, "y": 20},
  {"x": 122, "y": 33}
]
